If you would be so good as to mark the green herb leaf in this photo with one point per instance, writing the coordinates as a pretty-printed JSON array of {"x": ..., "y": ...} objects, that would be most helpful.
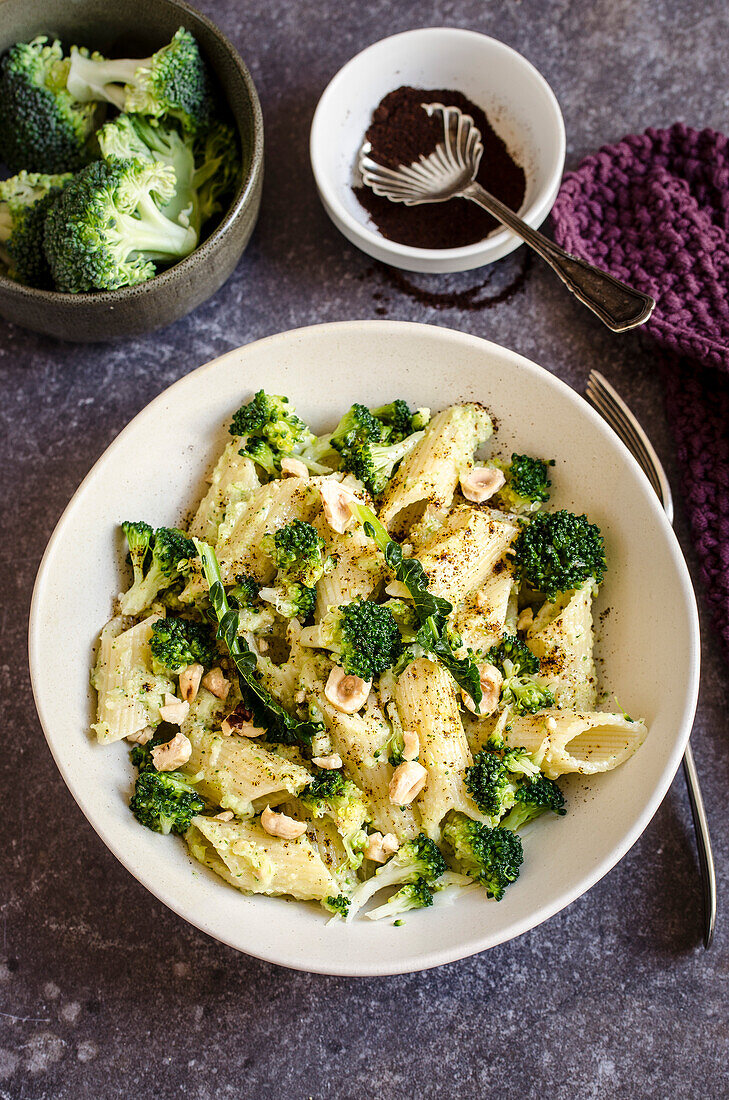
[{"x": 281, "y": 726}]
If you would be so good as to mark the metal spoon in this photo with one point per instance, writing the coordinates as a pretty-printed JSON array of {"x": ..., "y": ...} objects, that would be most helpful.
[{"x": 449, "y": 172}]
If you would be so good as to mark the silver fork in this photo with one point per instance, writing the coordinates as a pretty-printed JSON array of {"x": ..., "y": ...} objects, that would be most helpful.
[{"x": 617, "y": 414}]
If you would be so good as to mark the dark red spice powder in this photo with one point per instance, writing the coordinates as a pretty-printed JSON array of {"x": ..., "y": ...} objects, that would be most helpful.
[{"x": 400, "y": 132}]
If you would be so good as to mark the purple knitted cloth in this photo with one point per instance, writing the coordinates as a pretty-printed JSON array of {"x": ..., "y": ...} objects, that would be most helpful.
[{"x": 654, "y": 210}]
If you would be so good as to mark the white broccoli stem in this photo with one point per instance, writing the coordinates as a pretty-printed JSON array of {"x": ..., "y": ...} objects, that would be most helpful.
[
  {"x": 90, "y": 80},
  {"x": 392, "y": 874},
  {"x": 6, "y": 223},
  {"x": 154, "y": 234}
]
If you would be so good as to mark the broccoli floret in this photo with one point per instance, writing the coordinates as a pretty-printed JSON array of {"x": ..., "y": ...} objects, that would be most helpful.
[
  {"x": 416, "y": 895},
  {"x": 141, "y": 755},
  {"x": 528, "y": 477},
  {"x": 358, "y": 425},
  {"x": 244, "y": 592},
  {"x": 527, "y": 484},
  {"x": 532, "y": 799},
  {"x": 419, "y": 858},
  {"x": 105, "y": 229},
  {"x": 43, "y": 128},
  {"x": 368, "y": 638},
  {"x": 373, "y": 463},
  {"x": 25, "y": 200},
  {"x": 405, "y": 617},
  {"x": 493, "y": 856},
  {"x": 493, "y": 778},
  {"x": 361, "y": 442},
  {"x": 271, "y": 429},
  {"x": 165, "y": 802},
  {"x": 139, "y": 536},
  {"x": 290, "y": 599},
  {"x": 166, "y": 563},
  {"x": 399, "y": 421},
  {"x": 177, "y": 643},
  {"x": 173, "y": 81},
  {"x": 364, "y": 637},
  {"x": 338, "y": 906},
  {"x": 559, "y": 551},
  {"x": 489, "y": 783},
  {"x": 217, "y": 169},
  {"x": 522, "y": 689},
  {"x": 297, "y": 551},
  {"x": 134, "y": 137},
  {"x": 331, "y": 794}
]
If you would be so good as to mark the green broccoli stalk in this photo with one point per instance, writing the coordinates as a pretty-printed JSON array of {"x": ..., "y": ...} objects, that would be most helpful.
[
  {"x": 158, "y": 561},
  {"x": 559, "y": 551},
  {"x": 527, "y": 484},
  {"x": 173, "y": 81},
  {"x": 364, "y": 637},
  {"x": 43, "y": 128},
  {"x": 331, "y": 794},
  {"x": 165, "y": 802},
  {"x": 338, "y": 906},
  {"x": 399, "y": 422},
  {"x": 416, "y": 859},
  {"x": 522, "y": 689},
  {"x": 25, "y": 200},
  {"x": 271, "y": 430},
  {"x": 106, "y": 228},
  {"x": 177, "y": 643},
  {"x": 492, "y": 856},
  {"x": 134, "y": 137},
  {"x": 416, "y": 895},
  {"x": 533, "y": 798}
]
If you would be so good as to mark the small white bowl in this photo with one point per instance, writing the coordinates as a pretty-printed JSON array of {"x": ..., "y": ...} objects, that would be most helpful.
[
  {"x": 520, "y": 105},
  {"x": 648, "y": 648}
]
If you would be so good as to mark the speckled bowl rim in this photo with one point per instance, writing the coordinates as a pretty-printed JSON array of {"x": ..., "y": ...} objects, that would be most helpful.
[
  {"x": 205, "y": 250},
  {"x": 497, "y": 244}
]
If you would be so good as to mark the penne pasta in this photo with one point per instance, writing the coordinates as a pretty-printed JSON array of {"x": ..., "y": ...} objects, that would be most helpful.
[
  {"x": 427, "y": 705},
  {"x": 233, "y": 481},
  {"x": 243, "y": 854},
  {"x": 429, "y": 475},
  {"x": 561, "y": 635}
]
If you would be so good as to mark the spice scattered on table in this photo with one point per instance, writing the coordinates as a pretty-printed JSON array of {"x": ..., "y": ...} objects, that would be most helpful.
[{"x": 400, "y": 132}]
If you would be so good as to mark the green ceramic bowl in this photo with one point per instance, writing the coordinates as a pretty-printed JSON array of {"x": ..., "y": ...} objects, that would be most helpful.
[{"x": 136, "y": 28}]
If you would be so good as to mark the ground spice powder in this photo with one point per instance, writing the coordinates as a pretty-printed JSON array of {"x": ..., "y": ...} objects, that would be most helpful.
[{"x": 400, "y": 132}]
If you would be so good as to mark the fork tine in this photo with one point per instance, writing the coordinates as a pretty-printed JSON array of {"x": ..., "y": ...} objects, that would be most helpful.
[
  {"x": 625, "y": 425},
  {"x": 614, "y": 417}
]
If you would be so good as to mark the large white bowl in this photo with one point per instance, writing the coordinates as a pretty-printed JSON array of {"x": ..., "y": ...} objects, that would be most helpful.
[
  {"x": 155, "y": 468},
  {"x": 520, "y": 106}
]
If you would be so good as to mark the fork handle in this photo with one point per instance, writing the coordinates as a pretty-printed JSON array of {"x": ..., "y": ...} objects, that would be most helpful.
[
  {"x": 703, "y": 839},
  {"x": 615, "y": 303}
]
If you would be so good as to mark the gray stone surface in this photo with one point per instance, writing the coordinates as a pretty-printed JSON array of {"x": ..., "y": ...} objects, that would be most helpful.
[{"x": 103, "y": 991}]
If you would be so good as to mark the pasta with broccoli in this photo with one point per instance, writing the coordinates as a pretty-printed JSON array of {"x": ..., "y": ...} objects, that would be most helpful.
[{"x": 363, "y": 668}]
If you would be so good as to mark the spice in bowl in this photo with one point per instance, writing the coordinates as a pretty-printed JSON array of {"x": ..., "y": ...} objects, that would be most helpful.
[{"x": 401, "y": 131}]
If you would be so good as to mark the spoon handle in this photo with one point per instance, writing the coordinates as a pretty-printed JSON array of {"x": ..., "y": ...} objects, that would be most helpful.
[{"x": 615, "y": 303}]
